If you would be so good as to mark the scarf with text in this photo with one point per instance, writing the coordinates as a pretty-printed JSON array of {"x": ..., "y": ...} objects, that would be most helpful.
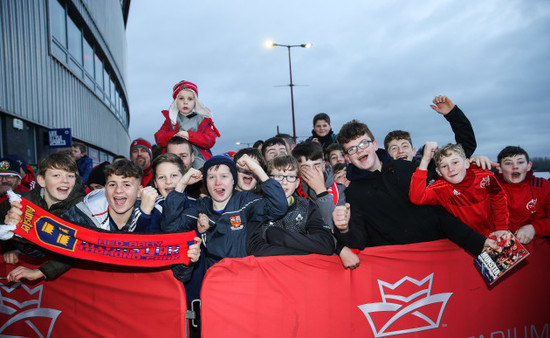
[{"x": 62, "y": 237}]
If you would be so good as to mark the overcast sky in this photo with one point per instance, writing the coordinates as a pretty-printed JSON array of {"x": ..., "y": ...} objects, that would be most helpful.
[{"x": 381, "y": 62}]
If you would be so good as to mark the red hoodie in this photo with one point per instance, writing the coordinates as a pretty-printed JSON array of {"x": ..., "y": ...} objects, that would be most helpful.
[
  {"x": 478, "y": 200},
  {"x": 529, "y": 203}
]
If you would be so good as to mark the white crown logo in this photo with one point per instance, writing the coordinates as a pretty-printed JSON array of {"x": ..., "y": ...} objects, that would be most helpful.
[
  {"x": 33, "y": 303},
  {"x": 405, "y": 303}
]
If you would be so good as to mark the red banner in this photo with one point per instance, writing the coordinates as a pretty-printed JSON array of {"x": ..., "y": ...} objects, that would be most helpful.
[
  {"x": 418, "y": 290},
  {"x": 60, "y": 236},
  {"x": 94, "y": 300}
]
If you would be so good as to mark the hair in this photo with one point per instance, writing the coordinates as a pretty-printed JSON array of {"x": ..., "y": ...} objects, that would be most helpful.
[
  {"x": 283, "y": 163},
  {"x": 119, "y": 157},
  {"x": 396, "y": 135},
  {"x": 288, "y": 139},
  {"x": 167, "y": 158},
  {"x": 176, "y": 140},
  {"x": 258, "y": 144},
  {"x": 97, "y": 175},
  {"x": 309, "y": 150},
  {"x": 124, "y": 168},
  {"x": 330, "y": 148},
  {"x": 272, "y": 141},
  {"x": 252, "y": 152},
  {"x": 321, "y": 116},
  {"x": 448, "y": 150},
  {"x": 511, "y": 151},
  {"x": 339, "y": 166},
  {"x": 352, "y": 130},
  {"x": 67, "y": 152},
  {"x": 80, "y": 146},
  {"x": 59, "y": 160}
]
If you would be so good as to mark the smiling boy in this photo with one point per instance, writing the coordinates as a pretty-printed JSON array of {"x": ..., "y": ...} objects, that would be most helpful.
[
  {"x": 115, "y": 208},
  {"x": 227, "y": 212},
  {"x": 378, "y": 211},
  {"x": 528, "y": 196},
  {"x": 272, "y": 147},
  {"x": 322, "y": 131},
  {"x": 59, "y": 189},
  {"x": 470, "y": 193},
  {"x": 399, "y": 145},
  {"x": 246, "y": 180}
]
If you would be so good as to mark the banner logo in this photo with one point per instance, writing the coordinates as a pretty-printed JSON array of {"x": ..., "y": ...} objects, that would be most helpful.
[
  {"x": 25, "y": 310},
  {"x": 407, "y": 306}
]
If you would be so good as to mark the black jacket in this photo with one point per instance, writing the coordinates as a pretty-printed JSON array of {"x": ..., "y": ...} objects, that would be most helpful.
[
  {"x": 381, "y": 213},
  {"x": 301, "y": 231}
]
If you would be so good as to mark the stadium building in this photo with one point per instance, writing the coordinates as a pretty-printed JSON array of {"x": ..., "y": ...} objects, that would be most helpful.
[{"x": 63, "y": 74}]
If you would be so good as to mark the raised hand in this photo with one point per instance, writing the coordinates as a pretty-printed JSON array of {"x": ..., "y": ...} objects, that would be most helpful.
[{"x": 442, "y": 104}]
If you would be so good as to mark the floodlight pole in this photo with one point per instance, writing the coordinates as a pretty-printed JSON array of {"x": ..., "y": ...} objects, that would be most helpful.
[{"x": 291, "y": 85}]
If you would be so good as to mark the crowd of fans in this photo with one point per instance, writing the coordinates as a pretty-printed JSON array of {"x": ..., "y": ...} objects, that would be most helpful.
[{"x": 331, "y": 194}]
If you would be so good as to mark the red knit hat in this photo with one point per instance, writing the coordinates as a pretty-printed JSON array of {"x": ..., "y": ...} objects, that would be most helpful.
[
  {"x": 184, "y": 85},
  {"x": 141, "y": 143}
]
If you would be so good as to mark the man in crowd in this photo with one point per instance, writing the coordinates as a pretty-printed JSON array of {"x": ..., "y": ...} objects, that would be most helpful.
[{"x": 141, "y": 153}]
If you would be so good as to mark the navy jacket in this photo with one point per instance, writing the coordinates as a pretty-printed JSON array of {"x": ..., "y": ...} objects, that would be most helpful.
[{"x": 226, "y": 236}]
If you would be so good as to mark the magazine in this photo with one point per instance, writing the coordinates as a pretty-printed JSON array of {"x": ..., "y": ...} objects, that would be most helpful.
[{"x": 493, "y": 264}]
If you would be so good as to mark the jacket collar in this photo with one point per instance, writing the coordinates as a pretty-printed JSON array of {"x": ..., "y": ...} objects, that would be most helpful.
[{"x": 353, "y": 173}]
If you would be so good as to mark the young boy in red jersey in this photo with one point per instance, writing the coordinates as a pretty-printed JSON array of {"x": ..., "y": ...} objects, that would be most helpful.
[
  {"x": 469, "y": 193},
  {"x": 528, "y": 196}
]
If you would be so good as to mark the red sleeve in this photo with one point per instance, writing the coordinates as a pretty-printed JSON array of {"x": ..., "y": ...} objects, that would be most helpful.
[
  {"x": 419, "y": 193},
  {"x": 205, "y": 136},
  {"x": 542, "y": 224},
  {"x": 165, "y": 133},
  {"x": 499, "y": 204}
]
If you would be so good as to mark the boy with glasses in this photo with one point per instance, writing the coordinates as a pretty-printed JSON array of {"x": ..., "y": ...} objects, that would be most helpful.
[
  {"x": 379, "y": 212},
  {"x": 301, "y": 230}
]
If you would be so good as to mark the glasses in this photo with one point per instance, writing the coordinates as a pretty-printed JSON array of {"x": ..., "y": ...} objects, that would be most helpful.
[
  {"x": 8, "y": 177},
  {"x": 363, "y": 145},
  {"x": 289, "y": 179}
]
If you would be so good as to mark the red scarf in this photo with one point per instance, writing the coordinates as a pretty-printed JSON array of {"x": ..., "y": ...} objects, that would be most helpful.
[{"x": 57, "y": 235}]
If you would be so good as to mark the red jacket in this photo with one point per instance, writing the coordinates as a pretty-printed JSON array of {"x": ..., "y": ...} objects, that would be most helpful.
[
  {"x": 529, "y": 203},
  {"x": 204, "y": 138},
  {"x": 478, "y": 200}
]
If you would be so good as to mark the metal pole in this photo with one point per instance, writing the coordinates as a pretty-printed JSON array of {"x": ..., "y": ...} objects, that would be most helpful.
[{"x": 291, "y": 95}]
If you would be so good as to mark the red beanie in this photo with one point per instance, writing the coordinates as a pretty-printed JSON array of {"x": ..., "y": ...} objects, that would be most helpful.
[
  {"x": 141, "y": 143},
  {"x": 184, "y": 85}
]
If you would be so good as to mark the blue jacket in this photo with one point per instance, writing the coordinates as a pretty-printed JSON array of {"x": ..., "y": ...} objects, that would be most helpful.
[
  {"x": 85, "y": 166},
  {"x": 226, "y": 236}
]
